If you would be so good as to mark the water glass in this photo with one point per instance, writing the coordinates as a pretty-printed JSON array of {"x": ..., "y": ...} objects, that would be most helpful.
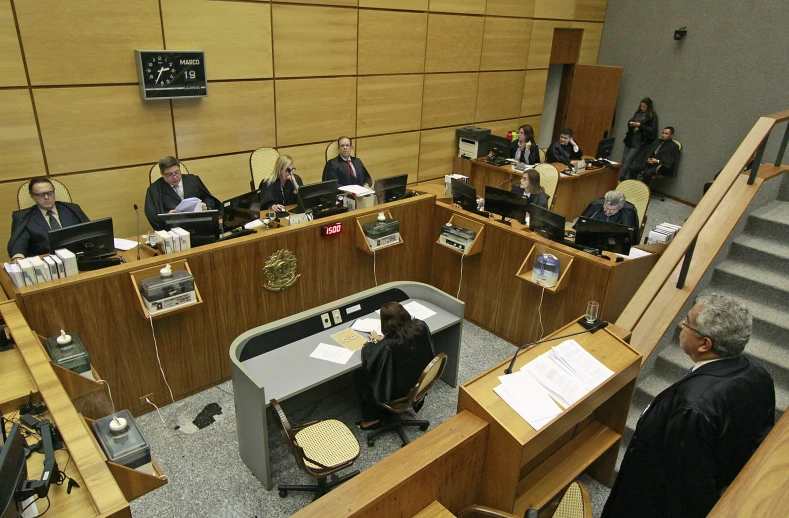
[{"x": 592, "y": 308}]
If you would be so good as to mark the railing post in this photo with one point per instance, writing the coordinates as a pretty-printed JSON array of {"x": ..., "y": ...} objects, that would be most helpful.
[
  {"x": 781, "y": 151},
  {"x": 683, "y": 272},
  {"x": 757, "y": 161}
]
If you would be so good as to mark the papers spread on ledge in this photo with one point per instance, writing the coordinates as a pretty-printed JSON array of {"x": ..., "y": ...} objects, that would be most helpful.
[
  {"x": 357, "y": 190},
  {"x": 332, "y": 353},
  {"x": 124, "y": 244},
  {"x": 563, "y": 375}
]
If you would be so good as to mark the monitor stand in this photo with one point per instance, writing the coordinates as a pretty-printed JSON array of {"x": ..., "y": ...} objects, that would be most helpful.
[{"x": 502, "y": 220}]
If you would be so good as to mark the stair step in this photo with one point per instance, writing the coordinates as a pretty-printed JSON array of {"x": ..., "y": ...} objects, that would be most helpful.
[
  {"x": 773, "y": 219},
  {"x": 751, "y": 281},
  {"x": 759, "y": 243},
  {"x": 767, "y": 253}
]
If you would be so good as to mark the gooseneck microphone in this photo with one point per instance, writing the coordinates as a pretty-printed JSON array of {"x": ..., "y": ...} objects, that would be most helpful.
[
  {"x": 599, "y": 324},
  {"x": 137, "y": 210},
  {"x": 502, "y": 183}
]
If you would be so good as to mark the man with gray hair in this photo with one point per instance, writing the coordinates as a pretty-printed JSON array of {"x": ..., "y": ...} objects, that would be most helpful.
[
  {"x": 695, "y": 436},
  {"x": 614, "y": 208}
]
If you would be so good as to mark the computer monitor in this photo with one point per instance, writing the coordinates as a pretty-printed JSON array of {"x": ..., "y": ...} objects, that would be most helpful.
[
  {"x": 604, "y": 148},
  {"x": 203, "y": 227},
  {"x": 240, "y": 210},
  {"x": 506, "y": 204},
  {"x": 391, "y": 188},
  {"x": 13, "y": 472},
  {"x": 500, "y": 146},
  {"x": 90, "y": 240},
  {"x": 317, "y": 196},
  {"x": 546, "y": 223},
  {"x": 464, "y": 195},
  {"x": 604, "y": 235}
]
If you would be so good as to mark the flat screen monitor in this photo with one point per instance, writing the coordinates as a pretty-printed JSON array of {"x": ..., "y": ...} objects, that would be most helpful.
[
  {"x": 91, "y": 240},
  {"x": 203, "y": 227},
  {"x": 604, "y": 235},
  {"x": 500, "y": 146},
  {"x": 13, "y": 472},
  {"x": 464, "y": 195},
  {"x": 546, "y": 223},
  {"x": 317, "y": 196},
  {"x": 506, "y": 204},
  {"x": 391, "y": 188},
  {"x": 604, "y": 148},
  {"x": 240, "y": 210}
]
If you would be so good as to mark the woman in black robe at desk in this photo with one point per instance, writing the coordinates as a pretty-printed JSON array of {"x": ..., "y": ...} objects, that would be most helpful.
[
  {"x": 391, "y": 364},
  {"x": 281, "y": 186},
  {"x": 530, "y": 188}
]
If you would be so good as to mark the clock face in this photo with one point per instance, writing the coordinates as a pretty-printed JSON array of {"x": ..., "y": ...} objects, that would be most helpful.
[
  {"x": 159, "y": 70},
  {"x": 171, "y": 74}
]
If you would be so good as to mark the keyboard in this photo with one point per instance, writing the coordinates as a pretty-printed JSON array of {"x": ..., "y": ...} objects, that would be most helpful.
[
  {"x": 583, "y": 248},
  {"x": 327, "y": 213}
]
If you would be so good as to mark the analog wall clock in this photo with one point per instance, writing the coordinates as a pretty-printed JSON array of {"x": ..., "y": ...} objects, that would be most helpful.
[{"x": 171, "y": 74}]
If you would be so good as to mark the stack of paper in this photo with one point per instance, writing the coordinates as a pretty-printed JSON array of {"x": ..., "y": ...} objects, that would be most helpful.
[
  {"x": 367, "y": 325},
  {"x": 190, "y": 205},
  {"x": 566, "y": 374},
  {"x": 357, "y": 190}
]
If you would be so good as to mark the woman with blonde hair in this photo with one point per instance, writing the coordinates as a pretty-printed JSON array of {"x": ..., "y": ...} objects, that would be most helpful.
[{"x": 280, "y": 187}]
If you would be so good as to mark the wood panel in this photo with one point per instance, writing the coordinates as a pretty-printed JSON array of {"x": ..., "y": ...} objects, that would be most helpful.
[
  {"x": 314, "y": 110},
  {"x": 20, "y": 149},
  {"x": 236, "y": 116},
  {"x": 391, "y": 42},
  {"x": 437, "y": 149},
  {"x": 65, "y": 44},
  {"x": 101, "y": 127},
  {"x": 388, "y": 104},
  {"x": 120, "y": 190},
  {"x": 444, "y": 464},
  {"x": 390, "y": 155},
  {"x": 564, "y": 10},
  {"x": 499, "y": 95},
  {"x": 309, "y": 160},
  {"x": 520, "y": 8},
  {"x": 17, "y": 383},
  {"x": 10, "y": 54},
  {"x": 501, "y": 128},
  {"x": 566, "y": 46},
  {"x": 458, "y": 6},
  {"x": 591, "y": 10},
  {"x": 505, "y": 43},
  {"x": 225, "y": 176},
  {"x": 313, "y": 41},
  {"x": 449, "y": 99},
  {"x": 534, "y": 122},
  {"x": 8, "y": 199},
  {"x": 235, "y": 36},
  {"x": 454, "y": 43},
  {"x": 534, "y": 92},
  {"x": 542, "y": 40},
  {"x": 592, "y": 103},
  {"x": 590, "y": 43},
  {"x": 408, "y": 5},
  {"x": 346, "y": 3}
]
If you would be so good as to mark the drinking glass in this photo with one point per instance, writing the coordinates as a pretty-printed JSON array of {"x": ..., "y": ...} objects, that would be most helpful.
[{"x": 592, "y": 308}]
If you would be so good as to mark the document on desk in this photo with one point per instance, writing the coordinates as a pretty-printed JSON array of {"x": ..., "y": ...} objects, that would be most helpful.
[
  {"x": 190, "y": 205},
  {"x": 332, "y": 353},
  {"x": 357, "y": 190},
  {"x": 124, "y": 244},
  {"x": 528, "y": 398},
  {"x": 417, "y": 310},
  {"x": 635, "y": 253},
  {"x": 563, "y": 387},
  {"x": 367, "y": 325},
  {"x": 577, "y": 361}
]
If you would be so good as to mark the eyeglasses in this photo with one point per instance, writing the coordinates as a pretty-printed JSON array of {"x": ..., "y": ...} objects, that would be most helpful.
[
  {"x": 171, "y": 174},
  {"x": 40, "y": 195},
  {"x": 685, "y": 323},
  {"x": 290, "y": 169}
]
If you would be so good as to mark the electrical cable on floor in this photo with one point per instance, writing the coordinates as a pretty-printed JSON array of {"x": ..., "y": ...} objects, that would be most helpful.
[
  {"x": 153, "y": 333},
  {"x": 539, "y": 312},
  {"x": 460, "y": 281}
]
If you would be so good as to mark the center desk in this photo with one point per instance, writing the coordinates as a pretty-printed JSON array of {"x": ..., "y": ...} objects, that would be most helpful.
[
  {"x": 273, "y": 360},
  {"x": 573, "y": 193}
]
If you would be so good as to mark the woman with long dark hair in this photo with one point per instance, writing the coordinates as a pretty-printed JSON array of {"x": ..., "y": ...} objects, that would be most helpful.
[
  {"x": 641, "y": 131},
  {"x": 392, "y": 363},
  {"x": 525, "y": 149},
  {"x": 530, "y": 188}
]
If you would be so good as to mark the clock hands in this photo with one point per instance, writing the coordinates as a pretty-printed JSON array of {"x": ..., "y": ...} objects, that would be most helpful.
[{"x": 163, "y": 69}]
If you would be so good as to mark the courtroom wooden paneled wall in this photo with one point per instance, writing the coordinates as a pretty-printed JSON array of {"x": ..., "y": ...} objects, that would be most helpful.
[{"x": 401, "y": 75}]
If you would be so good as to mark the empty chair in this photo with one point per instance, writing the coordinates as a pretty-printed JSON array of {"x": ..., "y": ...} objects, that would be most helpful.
[
  {"x": 321, "y": 449},
  {"x": 573, "y": 502},
  {"x": 24, "y": 200},
  {"x": 549, "y": 179}
]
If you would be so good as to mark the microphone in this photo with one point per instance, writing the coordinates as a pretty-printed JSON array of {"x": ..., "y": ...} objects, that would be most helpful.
[
  {"x": 502, "y": 183},
  {"x": 137, "y": 210},
  {"x": 593, "y": 328}
]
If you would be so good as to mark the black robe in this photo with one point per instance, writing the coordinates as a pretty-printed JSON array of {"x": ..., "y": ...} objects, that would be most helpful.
[
  {"x": 161, "y": 198},
  {"x": 627, "y": 215},
  {"x": 564, "y": 154},
  {"x": 533, "y": 153},
  {"x": 337, "y": 169},
  {"x": 277, "y": 194}
]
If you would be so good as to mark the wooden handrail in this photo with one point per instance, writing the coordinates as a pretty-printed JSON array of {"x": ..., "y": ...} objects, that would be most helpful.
[{"x": 779, "y": 116}]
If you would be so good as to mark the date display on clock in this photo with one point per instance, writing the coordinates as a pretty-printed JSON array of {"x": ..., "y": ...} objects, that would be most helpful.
[
  {"x": 331, "y": 230},
  {"x": 171, "y": 74}
]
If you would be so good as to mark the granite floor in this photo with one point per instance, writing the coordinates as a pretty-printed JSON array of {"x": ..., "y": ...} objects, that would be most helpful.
[{"x": 207, "y": 477}]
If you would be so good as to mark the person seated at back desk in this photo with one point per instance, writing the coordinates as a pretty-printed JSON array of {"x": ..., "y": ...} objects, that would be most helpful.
[
  {"x": 525, "y": 148},
  {"x": 530, "y": 188},
  {"x": 29, "y": 227},
  {"x": 391, "y": 364},
  {"x": 661, "y": 155},
  {"x": 167, "y": 192},
  {"x": 614, "y": 209},
  {"x": 346, "y": 169},
  {"x": 564, "y": 150},
  {"x": 281, "y": 187}
]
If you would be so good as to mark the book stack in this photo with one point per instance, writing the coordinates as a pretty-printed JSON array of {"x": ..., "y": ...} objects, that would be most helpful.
[
  {"x": 174, "y": 240},
  {"x": 35, "y": 270},
  {"x": 663, "y": 233}
]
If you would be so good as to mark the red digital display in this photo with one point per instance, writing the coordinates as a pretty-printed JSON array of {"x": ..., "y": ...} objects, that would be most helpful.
[{"x": 331, "y": 230}]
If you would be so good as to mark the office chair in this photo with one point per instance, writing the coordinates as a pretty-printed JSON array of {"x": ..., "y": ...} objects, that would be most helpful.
[
  {"x": 261, "y": 163},
  {"x": 415, "y": 396},
  {"x": 156, "y": 172},
  {"x": 543, "y": 152},
  {"x": 674, "y": 173},
  {"x": 573, "y": 502},
  {"x": 549, "y": 179},
  {"x": 332, "y": 150},
  {"x": 23, "y": 199},
  {"x": 321, "y": 449},
  {"x": 637, "y": 193}
]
